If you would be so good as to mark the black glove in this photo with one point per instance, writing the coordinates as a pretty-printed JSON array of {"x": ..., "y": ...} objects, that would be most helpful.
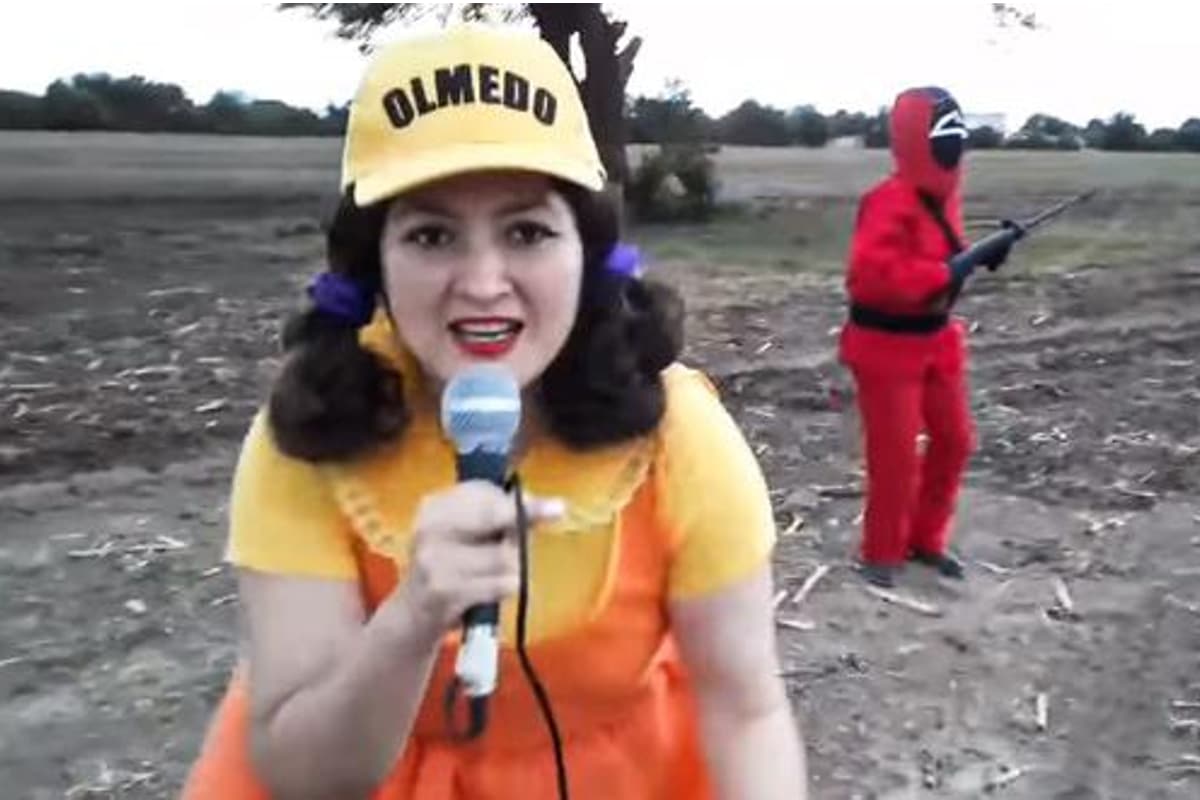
[{"x": 1001, "y": 255}]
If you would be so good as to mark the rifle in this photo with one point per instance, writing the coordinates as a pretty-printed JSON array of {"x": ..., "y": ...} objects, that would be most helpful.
[{"x": 987, "y": 249}]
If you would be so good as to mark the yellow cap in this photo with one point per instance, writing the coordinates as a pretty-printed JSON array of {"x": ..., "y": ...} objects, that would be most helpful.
[{"x": 473, "y": 98}]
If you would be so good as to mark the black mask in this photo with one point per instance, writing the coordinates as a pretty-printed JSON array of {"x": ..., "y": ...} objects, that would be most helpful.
[{"x": 947, "y": 131}]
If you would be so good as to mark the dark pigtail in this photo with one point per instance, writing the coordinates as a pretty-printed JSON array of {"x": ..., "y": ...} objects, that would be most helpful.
[{"x": 335, "y": 399}]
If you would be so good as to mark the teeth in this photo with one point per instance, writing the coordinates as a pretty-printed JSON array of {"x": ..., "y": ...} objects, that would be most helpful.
[
  {"x": 486, "y": 332},
  {"x": 486, "y": 328},
  {"x": 479, "y": 336}
]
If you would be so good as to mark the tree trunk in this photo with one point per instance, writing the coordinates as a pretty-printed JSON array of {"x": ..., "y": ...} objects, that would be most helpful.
[
  {"x": 603, "y": 87},
  {"x": 555, "y": 23}
]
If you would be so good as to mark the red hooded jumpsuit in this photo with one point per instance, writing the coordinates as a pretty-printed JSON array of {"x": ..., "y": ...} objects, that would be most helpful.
[{"x": 907, "y": 354}]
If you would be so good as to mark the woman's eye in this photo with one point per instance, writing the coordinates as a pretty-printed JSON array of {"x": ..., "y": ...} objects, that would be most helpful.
[
  {"x": 526, "y": 234},
  {"x": 428, "y": 236}
]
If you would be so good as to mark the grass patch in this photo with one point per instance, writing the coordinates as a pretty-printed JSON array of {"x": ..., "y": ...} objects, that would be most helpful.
[
  {"x": 792, "y": 235},
  {"x": 793, "y": 210},
  {"x": 787, "y": 209}
]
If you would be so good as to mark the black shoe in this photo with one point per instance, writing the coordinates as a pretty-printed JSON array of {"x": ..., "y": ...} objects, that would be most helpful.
[
  {"x": 881, "y": 575},
  {"x": 947, "y": 566}
]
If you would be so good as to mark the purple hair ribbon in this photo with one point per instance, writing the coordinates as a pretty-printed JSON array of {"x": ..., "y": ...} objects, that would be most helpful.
[
  {"x": 624, "y": 261},
  {"x": 342, "y": 297}
]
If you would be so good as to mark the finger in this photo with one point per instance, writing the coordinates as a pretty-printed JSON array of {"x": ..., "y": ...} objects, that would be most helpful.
[
  {"x": 473, "y": 562},
  {"x": 544, "y": 509},
  {"x": 456, "y": 572},
  {"x": 475, "y": 510},
  {"x": 486, "y": 590}
]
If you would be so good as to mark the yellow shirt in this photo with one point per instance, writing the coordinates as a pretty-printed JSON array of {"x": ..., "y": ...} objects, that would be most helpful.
[{"x": 293, "y": 517}]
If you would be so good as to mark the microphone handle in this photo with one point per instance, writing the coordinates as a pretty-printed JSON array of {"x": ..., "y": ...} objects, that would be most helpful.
[
  {"x": 490, "y": 466},
  {"x": 478, "y": 658},
  {"x": 483, "y": 465},
  {"x": 482, "y": 614}
]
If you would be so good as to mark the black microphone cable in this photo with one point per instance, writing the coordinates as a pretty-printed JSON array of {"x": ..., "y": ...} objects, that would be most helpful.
[
  {"x": 477, "y": 706},
  {"x": 535, "y": 683}
]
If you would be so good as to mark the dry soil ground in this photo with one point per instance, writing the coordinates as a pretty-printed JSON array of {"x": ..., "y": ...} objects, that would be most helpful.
[{"x": 144, "y": 281}]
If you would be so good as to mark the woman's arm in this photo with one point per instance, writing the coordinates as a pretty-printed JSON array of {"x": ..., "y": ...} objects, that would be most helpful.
[
  {"x": 333, "y": 699},
  {"x": 751, "y": 740}
]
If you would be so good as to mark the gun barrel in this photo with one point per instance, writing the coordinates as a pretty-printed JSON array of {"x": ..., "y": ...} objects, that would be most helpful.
[{"x": 1055, "y": 210}]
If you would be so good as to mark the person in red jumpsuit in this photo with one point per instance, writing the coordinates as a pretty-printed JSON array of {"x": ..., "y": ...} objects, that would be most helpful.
[{"x": 906, "y": 351}]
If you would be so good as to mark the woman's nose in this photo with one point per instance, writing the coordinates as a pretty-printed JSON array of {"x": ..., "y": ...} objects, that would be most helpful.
[{"x": 483, "y": 274}]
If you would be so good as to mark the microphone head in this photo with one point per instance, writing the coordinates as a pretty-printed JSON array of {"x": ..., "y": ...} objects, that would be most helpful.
[{"x": 481, "y": 409}]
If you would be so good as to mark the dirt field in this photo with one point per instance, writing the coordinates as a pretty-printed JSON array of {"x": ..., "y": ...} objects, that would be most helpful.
[{"x": 145, "y": 279}]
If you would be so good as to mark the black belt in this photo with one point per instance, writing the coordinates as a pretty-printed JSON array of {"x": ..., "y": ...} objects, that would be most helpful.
[{"x": 897, "y": 323}]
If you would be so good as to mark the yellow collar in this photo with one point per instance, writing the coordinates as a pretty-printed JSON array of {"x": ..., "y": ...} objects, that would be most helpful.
[{"x": 379, "y": 493}]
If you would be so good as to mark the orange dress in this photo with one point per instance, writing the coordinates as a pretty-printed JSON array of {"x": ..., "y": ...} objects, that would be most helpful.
[{"x": 680, "y": 513}]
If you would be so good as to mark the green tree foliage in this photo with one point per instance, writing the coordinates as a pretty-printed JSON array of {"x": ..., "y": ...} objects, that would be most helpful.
[
  {"x": 1188, "y": 137},
  {"x": 984, "y": 138},
  {"x": 20, "y": 111},
  {"x": 879, "y": 133},
  {"x": 1093, "y": 134},
  {"x": 1124, "y": 133},
  {"x": 754, "y": 124},
  {"x": 101, "y": 102},
  {"x": 1049, "y": 126},
  {"x": 676, "y": 183},
  {"x": 71, "y": 108},
  {"x": 670, "y": 118},
  {"x": 1046, "y": 132},
  {"x": 808, "y": 127},
  {"x": 104, "y": 102},
  {"x": 1162, "y": 139},
  {"x": 844, "y": 123}
]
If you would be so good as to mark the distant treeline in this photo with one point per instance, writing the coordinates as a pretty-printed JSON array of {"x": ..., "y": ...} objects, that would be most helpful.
[
  {"x": 673, "y": 119},
  {"x": 101, "y": 102}
]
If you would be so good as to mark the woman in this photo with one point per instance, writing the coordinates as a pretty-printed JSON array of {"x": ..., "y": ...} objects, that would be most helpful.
[{"x": 472, "y": 215}]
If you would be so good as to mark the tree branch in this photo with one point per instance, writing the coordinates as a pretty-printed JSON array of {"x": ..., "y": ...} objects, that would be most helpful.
[
  {"x": 556, "y": 22},
  {"x": 625, "y": 60}
]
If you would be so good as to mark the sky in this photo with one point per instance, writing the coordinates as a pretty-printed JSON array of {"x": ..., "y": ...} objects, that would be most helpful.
[{"x": 1089, "y": 59}]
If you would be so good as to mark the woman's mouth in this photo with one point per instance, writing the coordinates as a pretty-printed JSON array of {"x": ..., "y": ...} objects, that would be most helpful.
[{"x": 486, "y": 337}]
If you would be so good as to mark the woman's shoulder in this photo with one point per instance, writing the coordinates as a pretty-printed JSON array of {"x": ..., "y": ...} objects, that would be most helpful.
[
  {"x": 681, "y": 374},
  {"x": 713, "y": 496},
  {"x": 691, "y": 395},
  {"x": 696, "y": 423}
]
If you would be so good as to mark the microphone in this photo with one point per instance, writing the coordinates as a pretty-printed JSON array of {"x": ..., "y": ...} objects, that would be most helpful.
[{"x": 481, "y": 411}]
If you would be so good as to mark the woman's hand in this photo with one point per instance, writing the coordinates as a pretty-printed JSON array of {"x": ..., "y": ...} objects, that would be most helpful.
[
  {"x": 465, "y": 550},
  {"x": 332, "y": 715}
]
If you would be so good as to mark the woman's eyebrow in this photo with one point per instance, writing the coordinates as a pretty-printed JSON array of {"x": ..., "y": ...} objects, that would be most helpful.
[
  {"x": 418, "y": 205},
  {"x": 429, "y": 206},
  {"x": 522, "y": 204}
]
